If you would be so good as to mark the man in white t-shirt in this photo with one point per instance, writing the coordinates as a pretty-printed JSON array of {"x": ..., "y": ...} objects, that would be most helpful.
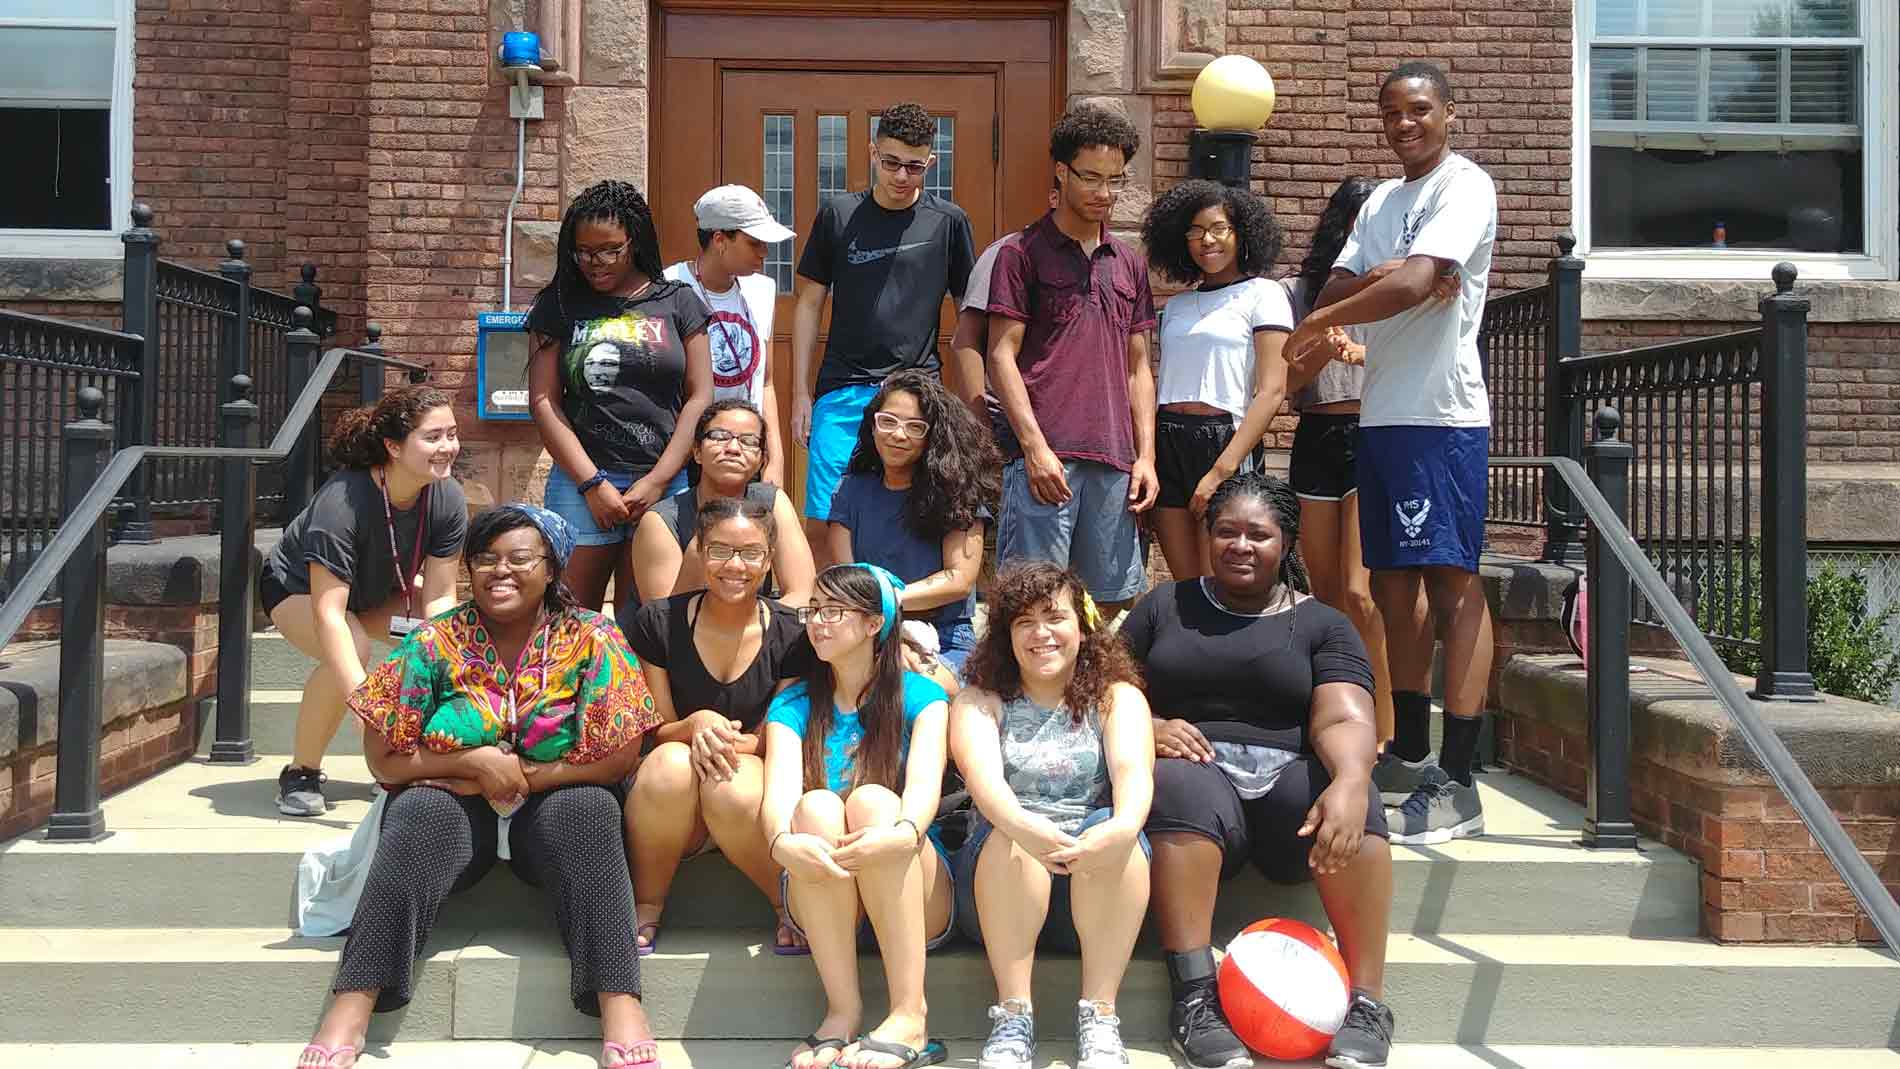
[
  {"x": 734, "y": 229},
  {"x": 1424, "y": 437}
]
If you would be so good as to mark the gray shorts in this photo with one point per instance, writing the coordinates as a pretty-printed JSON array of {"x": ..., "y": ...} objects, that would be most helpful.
[{"x": 1093, "y": 533}]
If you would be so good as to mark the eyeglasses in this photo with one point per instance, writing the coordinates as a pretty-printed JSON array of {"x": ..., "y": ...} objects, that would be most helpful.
[
  {"x": 719, "y": 551},
  {"x": 1086, "y": 180},
  {"x": 601, "y": 256},
  {"x": 520, "y": 560},
  {"x": 913, "y": 168},
  {"x": 827, "y": 614},
  {"x": 910, "y": 428},
  {"x": 1219, "y": 232},
  {"x": 746, "y": 440}
]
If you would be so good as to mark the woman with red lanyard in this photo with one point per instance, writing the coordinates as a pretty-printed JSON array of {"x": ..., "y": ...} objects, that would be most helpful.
[{"x": 375, "y": 549}]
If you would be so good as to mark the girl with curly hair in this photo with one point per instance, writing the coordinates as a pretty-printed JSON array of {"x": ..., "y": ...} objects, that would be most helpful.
[
  {"x": 1221, "y": 376},
  {"x": 1053, "y": 738},
  {"x": 619, "y": 373},
  {"x": 913, "y": 500}
]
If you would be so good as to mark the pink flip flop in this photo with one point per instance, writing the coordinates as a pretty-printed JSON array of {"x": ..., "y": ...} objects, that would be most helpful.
[
  {"x": 623, "y": 1050},
  {"x": 330, "y": 1054}
]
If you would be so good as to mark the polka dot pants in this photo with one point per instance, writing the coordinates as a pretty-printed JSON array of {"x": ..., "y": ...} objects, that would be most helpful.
[{"x": 434, "y": 843}]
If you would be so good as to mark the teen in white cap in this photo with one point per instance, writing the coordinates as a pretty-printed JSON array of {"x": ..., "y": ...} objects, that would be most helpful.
[{"x": 734, "y": 229}]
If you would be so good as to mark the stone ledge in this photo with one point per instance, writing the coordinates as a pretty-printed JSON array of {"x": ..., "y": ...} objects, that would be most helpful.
[
  {"x": 179, "y": 570},
  {"x": 139, "y": 676},
  {"x": 1678, "y": 724},
  {"x": 62, "y": 280},
  {"x": 1735, "y": 301}
]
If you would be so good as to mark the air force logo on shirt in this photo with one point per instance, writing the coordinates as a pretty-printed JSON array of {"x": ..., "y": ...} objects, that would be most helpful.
[
  {"x": 856, "y": 256},
  {"x": 1414, "y": 219},
  {"x": 1412, "y": 515}
]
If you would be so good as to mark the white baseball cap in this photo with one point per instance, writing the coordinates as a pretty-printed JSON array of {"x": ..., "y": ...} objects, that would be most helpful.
[{"x": 739, "y": 208}]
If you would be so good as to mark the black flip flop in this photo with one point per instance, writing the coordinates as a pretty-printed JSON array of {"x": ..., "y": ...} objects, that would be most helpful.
[
  {"x": 932, "y": 1054},
  {"x": 817, "y": 1045}
]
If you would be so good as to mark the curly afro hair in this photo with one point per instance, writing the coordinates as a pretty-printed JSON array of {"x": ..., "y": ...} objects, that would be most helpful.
[
  {"x": 1102, "y": 662},
  {"x": 1087, "y": 126},
  {"x": 1164, "y": 231},
  {"x": 908, "y": 123},
  {"x": 960, "y": 471}
]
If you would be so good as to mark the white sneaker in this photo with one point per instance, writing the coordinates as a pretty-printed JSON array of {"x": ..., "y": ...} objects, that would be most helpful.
[
  {"x": 1012, "y": 1042},
  {"x": 1098, "y": 1038}
]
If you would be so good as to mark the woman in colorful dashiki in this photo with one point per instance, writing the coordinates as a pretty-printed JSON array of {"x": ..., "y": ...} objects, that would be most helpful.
[{"x": 502, "y": 729}]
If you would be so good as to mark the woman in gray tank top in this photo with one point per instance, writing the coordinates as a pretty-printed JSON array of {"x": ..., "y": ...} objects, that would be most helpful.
[
  {"x": 1056, "y": 746},
  {"x": 729, "y": 449}
]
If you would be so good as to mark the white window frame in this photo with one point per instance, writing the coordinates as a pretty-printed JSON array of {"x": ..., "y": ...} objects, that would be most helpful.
[
  {"x": 1880, "y": 111},
  {"x": 89, "y": 244}
]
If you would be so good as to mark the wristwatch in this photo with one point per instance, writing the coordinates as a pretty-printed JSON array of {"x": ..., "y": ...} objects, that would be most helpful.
[{"x": 588, "y": 485}]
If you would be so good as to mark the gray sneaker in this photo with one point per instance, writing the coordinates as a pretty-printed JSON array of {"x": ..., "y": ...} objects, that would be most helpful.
[
  {"x": 1442, "y": 809},
  {"x": 1397, "y": 778},
  {"x": 1098, "y": 1038},
  {"x": 300, "y": 792},
  {"x": 1012, "y": 1042}
]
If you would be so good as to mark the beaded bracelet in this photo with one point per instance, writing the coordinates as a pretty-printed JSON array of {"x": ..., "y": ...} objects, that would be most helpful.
[{"x": 914, "y": 830}]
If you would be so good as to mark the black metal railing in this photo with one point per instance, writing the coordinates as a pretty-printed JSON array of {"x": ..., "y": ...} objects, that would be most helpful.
[
  {"x": 1719, "y": 499},
  {"x": 91, "y": 476},
  {"x": 1613, "y": 563},
  {"x": 43, "y": 364}
]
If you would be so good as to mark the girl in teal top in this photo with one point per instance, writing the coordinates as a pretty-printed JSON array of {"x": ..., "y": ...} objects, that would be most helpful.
[{"x": 853, "y": 768}]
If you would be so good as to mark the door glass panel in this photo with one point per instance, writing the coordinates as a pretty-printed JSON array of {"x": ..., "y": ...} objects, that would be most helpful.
[
  {"x": 779, "y": 174},
  {"x": 941, "y": 178},
  {"x": 833, "y": 155}
]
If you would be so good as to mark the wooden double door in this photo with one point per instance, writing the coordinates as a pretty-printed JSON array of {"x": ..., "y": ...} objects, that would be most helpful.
[{"x": 786, "y": 103}]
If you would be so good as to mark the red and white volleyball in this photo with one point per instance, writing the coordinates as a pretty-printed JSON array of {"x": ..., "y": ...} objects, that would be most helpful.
[{"x": 1284, "y": 988}]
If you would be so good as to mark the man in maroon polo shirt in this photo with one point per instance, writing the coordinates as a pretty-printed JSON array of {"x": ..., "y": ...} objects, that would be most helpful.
[{"x": 1070, "y": 311}]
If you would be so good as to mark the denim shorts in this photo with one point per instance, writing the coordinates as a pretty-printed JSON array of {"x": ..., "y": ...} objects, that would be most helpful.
[
  {"x": 1093, "y": 533},
  {"x": 835, "y": 419},
  {"x": 563, "y": 497},
  {"x": 1058, "y": 928},
  {"x": 867, "y": 937},
  {"x": 1421, "y": 496}
]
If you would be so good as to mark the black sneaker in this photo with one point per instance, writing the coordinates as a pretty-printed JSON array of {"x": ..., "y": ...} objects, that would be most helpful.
[
  {"x": 300, "y": 792},
  {"x": 1365, "y": 1039},
  {"x": 1199, "y": 1032}
]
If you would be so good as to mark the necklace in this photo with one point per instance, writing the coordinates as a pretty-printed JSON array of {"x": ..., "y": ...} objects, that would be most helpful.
[{"x": 1282, "y": 593}]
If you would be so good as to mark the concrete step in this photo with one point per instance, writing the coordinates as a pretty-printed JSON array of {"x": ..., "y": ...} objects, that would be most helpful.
[
  {"x": 259, "y": 985},
  {"x": 764, "y": 1054},
  {"x": 1528, "y": 876}
]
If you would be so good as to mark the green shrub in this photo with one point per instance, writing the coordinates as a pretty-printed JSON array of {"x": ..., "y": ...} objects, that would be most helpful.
[{"x": 1849, "y": 651}]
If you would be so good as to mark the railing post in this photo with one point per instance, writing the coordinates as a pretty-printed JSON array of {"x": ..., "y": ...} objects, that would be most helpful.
[
  {"x": 300, "y": 359},
  {"x": 369, "y": 373},
  {"x": 1607, "y": 822},
  {"x": 77, "y": 818},
  {"x": 238, "y": 426},
  {"x": 310, "y": 295},
  {"x": 234, "y": 347},
  {"x": 138, "y": 398},
  {"x": 1784, "y": 493},
  {"x": 1563, "y": 421}
]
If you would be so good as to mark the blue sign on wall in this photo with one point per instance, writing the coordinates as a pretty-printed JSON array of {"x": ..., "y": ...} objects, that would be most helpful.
[{"x": 501, "y": 365}]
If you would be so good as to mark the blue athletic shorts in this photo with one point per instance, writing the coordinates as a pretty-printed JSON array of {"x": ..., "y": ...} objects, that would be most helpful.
[
  {"x": 1421, "y": 496},
  {"x": 835, "y": 418}
]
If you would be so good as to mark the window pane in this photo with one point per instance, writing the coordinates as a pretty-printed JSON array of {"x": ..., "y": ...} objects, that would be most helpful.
[
  {"x": 1744, "y": 85},
  {"x": 1673, "y": 18},
  {"x": 58, "y": 176},
  {"x": 941, "y": 178},
  {"x": 779, "y": 174},
  {"x": 1749, "y": 18},
  {"x": 59, "y": 9},
  {"x": 1824, "y": 85},
  {"x": 56, "y": 65},
  {"x": 1826, "y": 18},
  {"x": 834, "y": 155},
  {"x": 1616, "y": 17},
  {"x": 1805, "y": 200},
  {"x": 1613, "y": 83},
  {"x": 1674, "y": 85}
]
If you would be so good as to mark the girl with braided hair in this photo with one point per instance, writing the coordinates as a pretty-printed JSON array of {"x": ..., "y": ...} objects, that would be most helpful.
[
  {"x": 620, "y": 371},
  {"x": 1263, "y": 728}
]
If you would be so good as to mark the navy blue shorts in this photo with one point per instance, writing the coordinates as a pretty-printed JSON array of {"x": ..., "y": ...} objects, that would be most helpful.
[{"x": 1421, "y": 496}]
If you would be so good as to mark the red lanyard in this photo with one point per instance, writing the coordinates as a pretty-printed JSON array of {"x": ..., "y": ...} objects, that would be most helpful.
[{"x": 407, "y": 582}]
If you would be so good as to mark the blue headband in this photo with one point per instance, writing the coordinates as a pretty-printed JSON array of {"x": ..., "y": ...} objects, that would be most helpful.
[
  {"x": 558, "y": 532},
  {"x": 888, "y": 588}
]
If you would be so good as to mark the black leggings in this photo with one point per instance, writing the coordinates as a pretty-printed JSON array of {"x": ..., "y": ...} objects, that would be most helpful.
[
  {"x": 1196, "y": 798},
  {"x": 434, "y": 843}
]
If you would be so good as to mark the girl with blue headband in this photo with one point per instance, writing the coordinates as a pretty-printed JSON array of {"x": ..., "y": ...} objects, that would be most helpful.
[{"x": 853, "y": 769}]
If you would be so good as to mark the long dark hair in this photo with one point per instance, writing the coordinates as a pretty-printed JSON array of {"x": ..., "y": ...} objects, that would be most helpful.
[
  {"x": 1102, "y": 661},
  {"x": 959, "y": 472},
  {"x": 1285, "y": 506},
  {"x": 608, "y": 201},
  {"x": 880, "y": 707},
  {"x": 357, "y": 440},
  {"x": 492, "y": 524},
  {"x": 1329, "y": 236}
]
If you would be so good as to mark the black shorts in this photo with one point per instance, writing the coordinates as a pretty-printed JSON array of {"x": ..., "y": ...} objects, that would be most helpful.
[
  {"x": 270, "y": 592},
  {"x": 1186, "y": 448},
  {"x": 1196, "y": 798},
  {"x": 1323, "y": 467}
]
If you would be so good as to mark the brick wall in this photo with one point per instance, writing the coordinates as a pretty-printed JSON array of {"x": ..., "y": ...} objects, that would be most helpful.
[{"x": 130, "y": 750}]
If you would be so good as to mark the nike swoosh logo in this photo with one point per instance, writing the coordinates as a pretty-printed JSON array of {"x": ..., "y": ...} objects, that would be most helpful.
[{"x": 854, "y": 255}]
